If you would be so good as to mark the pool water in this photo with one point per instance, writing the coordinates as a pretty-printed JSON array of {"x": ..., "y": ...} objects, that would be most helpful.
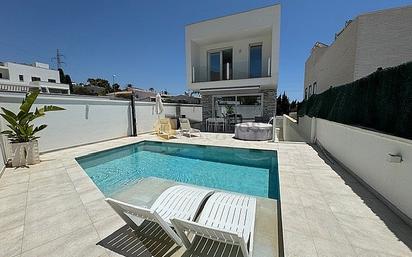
[{"x": 249, "y": 171}]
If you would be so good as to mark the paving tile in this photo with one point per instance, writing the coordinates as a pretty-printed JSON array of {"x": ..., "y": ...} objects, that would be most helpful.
[
  {"x": 52, "y": 175},
  {"x": 13, "y": 189},
  {"x": 298, "y": 245},
  {"x": 99, "y": 209},
  {"x": 294, "y": 219},
  {"x": 312, "y": 198},
  {"x": 10, "y": 242},
  {"x": 44, "y": 230},
  {"x": 326, "y": 248},
  {"x": 108, "y": 225},
  {"x": 81, "y": 242},
  {"x": 46, "y": 192},
  {"x": 84, "y": 184},
  {"x": 11, "y": 178},
  {"x": 52, "y": 206},
  {"x": 91, "y": 195},
  {"x": 368, "y": 253},
  {"x": 323, "y": 224},
  {"x": 374, "y": 235}
]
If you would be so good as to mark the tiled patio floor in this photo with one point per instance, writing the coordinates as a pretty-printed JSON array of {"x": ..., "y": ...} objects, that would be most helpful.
[{"x": 53, "y": 209}]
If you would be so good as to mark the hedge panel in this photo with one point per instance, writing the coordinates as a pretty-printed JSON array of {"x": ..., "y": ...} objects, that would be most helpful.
[{"x": 381, "y": 101}]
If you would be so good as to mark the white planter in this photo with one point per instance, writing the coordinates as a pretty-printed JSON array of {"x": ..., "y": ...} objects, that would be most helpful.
[{"x": 25, "y": 153}]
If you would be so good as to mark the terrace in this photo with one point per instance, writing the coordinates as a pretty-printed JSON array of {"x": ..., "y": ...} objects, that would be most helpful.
[{"x": 54, "y": 209}]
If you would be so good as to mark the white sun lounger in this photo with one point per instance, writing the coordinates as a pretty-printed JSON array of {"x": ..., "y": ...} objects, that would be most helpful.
[
  {"x": 227, "y": 218},
  {"x": 185, "y": 127},
  {"x": 180, "y": 201}
]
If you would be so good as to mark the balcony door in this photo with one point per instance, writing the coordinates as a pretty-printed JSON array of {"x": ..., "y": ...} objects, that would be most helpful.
[
  {"x": 220, "y": 64},
  {"x": 255, "y": 61}
]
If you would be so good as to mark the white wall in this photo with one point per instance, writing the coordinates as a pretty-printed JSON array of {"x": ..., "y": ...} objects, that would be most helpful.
[
  {"x": 237, "y": 31},
  {"x": 364, "y": 152},
  {"x": 290, "y": 130},
  {"x": 91, "y": 119},
  {"x": 85, "y": 120},
  {"x": 384, "y": 40},
  {"x": 334, "y": 65}
]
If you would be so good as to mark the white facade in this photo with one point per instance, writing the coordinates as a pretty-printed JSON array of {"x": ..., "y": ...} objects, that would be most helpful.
[
  {"x": 235, "y": 56},
  {"x": 22, "y": 77},
  {"x": 372, "y": 40},
  {"x": 237, "y": 32}
]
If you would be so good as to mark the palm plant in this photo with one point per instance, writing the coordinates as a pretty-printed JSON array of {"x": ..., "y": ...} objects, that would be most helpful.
[{"x": 20, "y": 124}]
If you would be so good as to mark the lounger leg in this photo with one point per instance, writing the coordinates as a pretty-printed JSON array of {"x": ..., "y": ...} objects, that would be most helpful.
[
  {"x": 182, "y": 235},
  {"x": 244, "y": 248}
]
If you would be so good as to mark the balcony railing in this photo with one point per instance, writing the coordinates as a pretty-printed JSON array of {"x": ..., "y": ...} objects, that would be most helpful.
[{"x": 238, "y": 70}]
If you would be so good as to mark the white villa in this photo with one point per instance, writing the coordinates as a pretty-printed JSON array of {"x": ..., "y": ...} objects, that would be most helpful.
[
  {"x": 233, "y": 62},
  {"x": 23, "y": 77},
  {"x": 370, "y": 41}
]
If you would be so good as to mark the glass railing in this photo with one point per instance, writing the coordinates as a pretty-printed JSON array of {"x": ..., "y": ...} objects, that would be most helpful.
[{"x": 229, "y": 72}]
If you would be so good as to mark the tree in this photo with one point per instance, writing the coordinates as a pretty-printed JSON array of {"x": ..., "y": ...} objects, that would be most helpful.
[
  {"x": 284, "y": 106},
  {"x": 116, "y": 87},
  {"x": 98, "y": 82},
  {"x": 151, "y": 89},
  {"x": 65, "y": 79}
]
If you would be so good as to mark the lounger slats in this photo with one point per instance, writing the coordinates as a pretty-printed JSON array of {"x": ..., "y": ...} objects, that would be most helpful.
[
  {"x": 227, "y": 218},
  {"x": 180, "y": 201}
]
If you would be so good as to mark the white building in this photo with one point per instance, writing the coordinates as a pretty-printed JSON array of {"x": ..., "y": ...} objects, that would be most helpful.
[
  {"x": 24, "y": 77},
  {"x": 233, "y": 62},
  {"x": 370, "y": 41}
]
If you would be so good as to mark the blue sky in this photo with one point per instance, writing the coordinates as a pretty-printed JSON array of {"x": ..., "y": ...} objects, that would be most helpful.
[{"x": 142, "y": 42}]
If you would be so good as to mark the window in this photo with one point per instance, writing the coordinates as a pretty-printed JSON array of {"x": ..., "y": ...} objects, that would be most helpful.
[
  {"x": 220, "y": 64},
  {"x": 51, "y": 80},
  {"x": 238, "y": 108},
  {"x": 1, "y": 75},
  {"x": 310, "y": 90},
  {"x": 315, "y": 87},
  {"x": 35, "y": 79},
  {"x": 255, "y": 61},
  {"x": 306, "y": 93},
  {"x": 21, "y": 78}
]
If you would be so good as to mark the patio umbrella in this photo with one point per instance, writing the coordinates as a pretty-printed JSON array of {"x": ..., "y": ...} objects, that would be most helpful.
[{"x": 159, "y": 105}]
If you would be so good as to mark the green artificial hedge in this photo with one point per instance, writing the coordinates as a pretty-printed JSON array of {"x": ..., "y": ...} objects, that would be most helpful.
[{"x": 381, "y": 101}]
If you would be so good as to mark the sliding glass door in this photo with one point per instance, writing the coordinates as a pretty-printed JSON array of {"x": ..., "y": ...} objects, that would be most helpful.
[
  {"x": 255, "y": 61},
  {"x": 214, "y": 66},
  {"x": 220, "y": 64},
  {"x": 237, "y": 108}
]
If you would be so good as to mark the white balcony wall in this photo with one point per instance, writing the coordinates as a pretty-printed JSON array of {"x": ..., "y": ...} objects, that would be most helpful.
[{"x": 240, "y": 55}]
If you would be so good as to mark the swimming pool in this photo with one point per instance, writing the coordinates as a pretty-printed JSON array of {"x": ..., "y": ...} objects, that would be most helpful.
[{"x": 249, "y": 171}]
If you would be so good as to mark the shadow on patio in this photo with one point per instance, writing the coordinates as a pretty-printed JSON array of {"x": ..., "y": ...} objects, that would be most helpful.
[
  {"x": 149, "y": 241},
  {"x": 383, "y": 213}
]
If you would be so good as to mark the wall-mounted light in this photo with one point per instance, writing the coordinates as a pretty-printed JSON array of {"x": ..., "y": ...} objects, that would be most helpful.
[{"x": 394, "y": 158}]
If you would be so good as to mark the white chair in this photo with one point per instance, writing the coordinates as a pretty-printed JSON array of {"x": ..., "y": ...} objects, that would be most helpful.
[
  {"x": 180, "y": 201},
  {"x": 186, "y": 128},
  {"x": 227, "y": 218}
]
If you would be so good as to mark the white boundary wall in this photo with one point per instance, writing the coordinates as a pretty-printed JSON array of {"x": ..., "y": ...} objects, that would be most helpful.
[
  {"x": 91, "y": 119},
  {"x": 365, "y": 153}
]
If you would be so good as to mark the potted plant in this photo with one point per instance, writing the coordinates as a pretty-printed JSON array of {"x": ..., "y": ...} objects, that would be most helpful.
[{"x": 22, "y": 132}]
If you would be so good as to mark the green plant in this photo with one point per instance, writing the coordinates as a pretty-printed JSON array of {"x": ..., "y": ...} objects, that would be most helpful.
[
  {"x": 229, "y": 109},
  {"x": 20, "y": 124}
]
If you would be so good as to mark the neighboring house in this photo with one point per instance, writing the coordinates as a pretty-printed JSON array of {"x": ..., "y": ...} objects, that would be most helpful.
[
  {"x": 373, "y": 40},
  {"x": 183, "y": 99},
  {"x": 233, "y": 62},
  {"x": 25, "y": 77},
  {"x": 142, "y": 95}
]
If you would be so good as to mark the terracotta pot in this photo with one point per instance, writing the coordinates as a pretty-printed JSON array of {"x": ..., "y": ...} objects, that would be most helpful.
[{"x": 26, "y": 153}]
